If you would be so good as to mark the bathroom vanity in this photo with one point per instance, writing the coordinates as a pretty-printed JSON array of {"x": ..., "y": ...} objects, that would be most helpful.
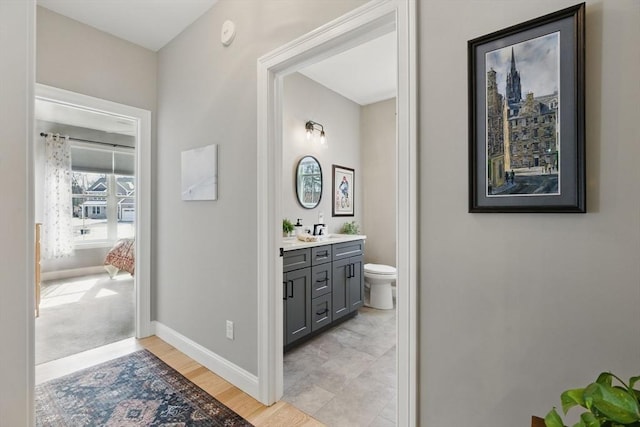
[{"x": 323, "y": 284}]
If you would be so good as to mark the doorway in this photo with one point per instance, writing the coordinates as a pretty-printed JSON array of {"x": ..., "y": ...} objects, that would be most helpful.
[
  {"x": 362, "y": 24},
  {"x": 131, "y": 209}
]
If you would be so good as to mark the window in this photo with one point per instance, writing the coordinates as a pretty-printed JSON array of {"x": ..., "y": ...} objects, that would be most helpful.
[
  {"x": 103, "y": 195},
  {"x": 98, "y": 213}
]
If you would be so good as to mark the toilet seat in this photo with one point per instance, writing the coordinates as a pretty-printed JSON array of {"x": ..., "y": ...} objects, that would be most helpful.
[{"x": 379, "y": 269}]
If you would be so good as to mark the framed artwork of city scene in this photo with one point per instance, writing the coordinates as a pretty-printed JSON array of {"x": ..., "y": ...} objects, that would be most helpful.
[
  {"x": 526, "y": 116},
  {"x": 343, "y": 191}
]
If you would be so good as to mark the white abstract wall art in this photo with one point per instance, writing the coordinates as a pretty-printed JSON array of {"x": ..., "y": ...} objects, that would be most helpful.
[{"x": 200, "y": 173}]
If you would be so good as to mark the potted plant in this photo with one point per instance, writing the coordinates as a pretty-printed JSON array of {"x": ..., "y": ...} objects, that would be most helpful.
[
  {"x": 287, "y": 227},
  {"x": 350, "y": 228},
  {"x": 607, "y": 405}
]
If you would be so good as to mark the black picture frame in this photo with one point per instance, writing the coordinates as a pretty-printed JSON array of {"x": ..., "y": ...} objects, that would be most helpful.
[
  {"x": 527, "y": 149},
  {"x": 343, "y": 191}
]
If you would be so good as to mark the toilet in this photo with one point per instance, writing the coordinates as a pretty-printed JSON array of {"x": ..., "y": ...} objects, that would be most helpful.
[{"x": 378, "y": 278}]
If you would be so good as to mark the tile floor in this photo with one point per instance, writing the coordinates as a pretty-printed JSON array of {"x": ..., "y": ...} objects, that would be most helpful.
[{"x": 346, "y": 377}]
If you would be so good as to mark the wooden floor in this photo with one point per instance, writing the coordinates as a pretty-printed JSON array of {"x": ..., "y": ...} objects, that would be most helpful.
[{"x": 279, "y": 414}]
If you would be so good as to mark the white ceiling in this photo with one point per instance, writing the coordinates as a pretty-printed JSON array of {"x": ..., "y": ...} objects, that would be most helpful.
[{"x": 363, "y": 74}]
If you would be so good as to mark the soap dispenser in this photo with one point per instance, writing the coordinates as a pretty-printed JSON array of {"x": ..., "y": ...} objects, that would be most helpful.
[{"x": 298, "y": 227}]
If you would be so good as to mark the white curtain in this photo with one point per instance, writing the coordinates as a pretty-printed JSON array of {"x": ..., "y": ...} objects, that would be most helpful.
[{"x": 57, "y": 230}]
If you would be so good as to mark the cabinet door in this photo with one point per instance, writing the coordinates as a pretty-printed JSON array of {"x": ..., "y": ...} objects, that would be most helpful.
[
  {"x": 340, "y": 294},
  {"x": 356, "y": 283},
  {"x": 298, "y": 304}
]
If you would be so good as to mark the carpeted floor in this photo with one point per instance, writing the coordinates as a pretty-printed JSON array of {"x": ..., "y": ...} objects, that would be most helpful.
[
  {"x": 83, "y": 313},
  {"x": 135, "y": 390}
]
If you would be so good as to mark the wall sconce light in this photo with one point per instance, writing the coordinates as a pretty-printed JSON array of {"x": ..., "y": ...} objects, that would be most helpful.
[{"x": 311, "y": 126}]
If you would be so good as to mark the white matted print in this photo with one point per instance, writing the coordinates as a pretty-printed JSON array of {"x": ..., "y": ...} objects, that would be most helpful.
[
  {"x": 343, "y": 191},
  {"x": 200, "y": 173}
]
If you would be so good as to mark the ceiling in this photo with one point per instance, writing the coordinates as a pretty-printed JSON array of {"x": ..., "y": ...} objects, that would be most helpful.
[{"x": 364, "y": 74}]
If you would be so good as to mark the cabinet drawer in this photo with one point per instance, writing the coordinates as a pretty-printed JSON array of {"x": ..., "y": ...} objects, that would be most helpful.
[
  {"x": 320, "y": 312},
  {"x": 296, "y": 259},
  {"x": 320, "y": 280},
  {"x": 348, "y": 249},
  {"x": 320, "y": 254}
]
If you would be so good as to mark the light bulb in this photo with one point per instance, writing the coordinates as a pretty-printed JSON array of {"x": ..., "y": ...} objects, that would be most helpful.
[{"x": 323, "y": 139}]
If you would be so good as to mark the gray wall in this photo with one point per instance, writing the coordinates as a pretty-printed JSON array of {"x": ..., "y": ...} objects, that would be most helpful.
[
  {"x": 205, "y": 262},
  {"x": 16, "y": 228},
  {"x": 378, "y": 150},
  {"x": 516, "y": 308},
  {"x": 76, "y": 57},
  {"x": 303, "y": 100}
]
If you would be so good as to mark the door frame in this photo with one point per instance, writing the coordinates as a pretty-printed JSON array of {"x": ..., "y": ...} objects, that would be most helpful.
[
  {"x": 143, "y": 188},
  {"x": 364, "y": 23}
]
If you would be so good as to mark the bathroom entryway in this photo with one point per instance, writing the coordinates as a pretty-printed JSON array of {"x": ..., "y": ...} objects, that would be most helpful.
[{"x": 366, "y": 23}]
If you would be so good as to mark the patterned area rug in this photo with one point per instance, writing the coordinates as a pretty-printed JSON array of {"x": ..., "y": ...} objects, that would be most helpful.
[{"x": 135, "y": 390}]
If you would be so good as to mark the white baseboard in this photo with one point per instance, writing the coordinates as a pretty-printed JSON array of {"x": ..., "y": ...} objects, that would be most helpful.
[
  {"x": 231, "y": 372},
  {"x": 73, "y": 272}
]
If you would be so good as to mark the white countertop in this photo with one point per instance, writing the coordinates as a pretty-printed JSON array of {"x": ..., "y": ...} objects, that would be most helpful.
[{"x": 291, "y": 243}]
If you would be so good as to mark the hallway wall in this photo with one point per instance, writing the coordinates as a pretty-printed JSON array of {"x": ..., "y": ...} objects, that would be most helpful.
[
  {"x": 76, "y": 57},
  {"x": 516, "y": 308}
]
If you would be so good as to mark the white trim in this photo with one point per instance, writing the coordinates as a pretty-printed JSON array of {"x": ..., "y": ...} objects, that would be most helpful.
[
  {"x": 348, "y": 30},
  {"x": 231, "y": 372},
  {"x": 407, "y": 220},
  {"x": 143, "y": 187},
  {"x": 72, "y": 272}
]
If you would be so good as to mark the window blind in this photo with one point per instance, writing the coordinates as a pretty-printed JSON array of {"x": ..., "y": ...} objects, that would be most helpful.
[{"x": 89, "y": 159}]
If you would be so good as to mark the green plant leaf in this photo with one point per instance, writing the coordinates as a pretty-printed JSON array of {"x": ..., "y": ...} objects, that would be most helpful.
[
  {"x": 633, "y": 381},
  {"x": 613, "y": 403},
  {"x": 589, "y": 420},
  {"x": 605, "y": 378},
  {"x": 571, "y": 398},
  {"x": 553, "y": 419}
]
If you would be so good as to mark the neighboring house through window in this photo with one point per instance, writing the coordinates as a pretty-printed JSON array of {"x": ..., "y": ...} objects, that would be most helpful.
[{"x": 103, "y": 192}]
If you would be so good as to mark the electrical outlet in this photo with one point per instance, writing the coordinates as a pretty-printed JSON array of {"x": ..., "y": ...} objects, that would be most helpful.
[{"x": 229, "y": 329}]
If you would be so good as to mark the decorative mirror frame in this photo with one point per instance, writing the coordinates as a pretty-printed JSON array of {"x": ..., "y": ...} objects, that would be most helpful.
[{"x": 298, "y": 183}]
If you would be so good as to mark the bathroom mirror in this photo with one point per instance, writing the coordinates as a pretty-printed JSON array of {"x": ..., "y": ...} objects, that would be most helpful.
[{"x": 309, "y": 182}]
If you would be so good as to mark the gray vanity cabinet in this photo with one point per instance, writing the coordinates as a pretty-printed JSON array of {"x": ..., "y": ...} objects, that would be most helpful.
[
  {"x": 347, "y": 278},
  {"x": 321, "y": 284}
]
